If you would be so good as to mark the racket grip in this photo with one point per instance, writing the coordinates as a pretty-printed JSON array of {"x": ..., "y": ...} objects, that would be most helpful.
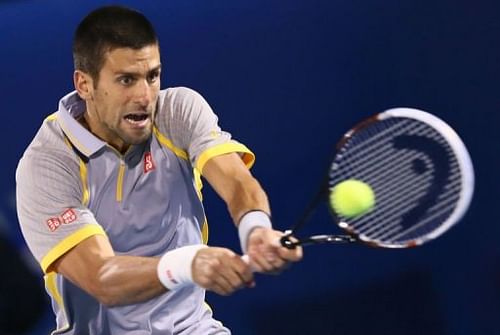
[{"x": 245, "y": 258}]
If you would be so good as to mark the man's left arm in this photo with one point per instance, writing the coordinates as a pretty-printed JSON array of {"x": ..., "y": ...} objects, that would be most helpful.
[{"x": 249, "y": 208}]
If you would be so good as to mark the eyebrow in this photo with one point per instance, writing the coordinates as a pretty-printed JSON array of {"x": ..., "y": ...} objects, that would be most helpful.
[{"x": 129, "y": 73}]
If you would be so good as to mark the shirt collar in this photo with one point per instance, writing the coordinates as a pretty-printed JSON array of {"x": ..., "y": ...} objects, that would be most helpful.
[{"x": 72, "y": 106}]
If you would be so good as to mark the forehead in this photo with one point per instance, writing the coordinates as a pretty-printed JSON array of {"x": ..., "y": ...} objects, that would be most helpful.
[{"x": 132, "y": 60}]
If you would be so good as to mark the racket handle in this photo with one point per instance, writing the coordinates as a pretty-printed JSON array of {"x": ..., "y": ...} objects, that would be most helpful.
[{"x": 245, "y": 258}]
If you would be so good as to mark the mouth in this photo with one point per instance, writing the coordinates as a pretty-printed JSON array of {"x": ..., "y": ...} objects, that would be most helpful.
[{"x": 137, "y": 120}]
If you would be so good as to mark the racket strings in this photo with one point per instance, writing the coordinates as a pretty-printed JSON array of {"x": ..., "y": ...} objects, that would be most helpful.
[
  {"x": 435, "y": 213},
  {"x": 404, "y": 187},
  {"x": 372, "y": 170},
  {"x": 394, "y": 230},
  {"x": 392, "y": 213},
  {"x": 400, "y": 204},
  {"x": 370, "y": 155},
  {"x": 380, "y": 133},
  {"x": 363, "y": 153},
  {"x": 380, "y": 155},
  {"x": 394, "y": 233}
]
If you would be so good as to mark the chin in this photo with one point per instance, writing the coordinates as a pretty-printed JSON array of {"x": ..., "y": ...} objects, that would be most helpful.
[{"x": 137, "y": 139}]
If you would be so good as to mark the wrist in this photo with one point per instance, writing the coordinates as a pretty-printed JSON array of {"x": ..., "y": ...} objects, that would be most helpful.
[
  {"x": 175, "y": 267},
  {"x": 250, "y": 221}
]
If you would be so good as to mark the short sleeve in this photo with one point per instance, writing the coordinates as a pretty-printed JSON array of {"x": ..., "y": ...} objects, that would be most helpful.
[
  {"x": 49, "y": 207},
  {"x": 190, "y": 123}
]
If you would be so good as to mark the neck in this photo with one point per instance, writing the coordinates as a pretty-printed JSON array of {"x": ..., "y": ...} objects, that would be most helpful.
[{"x": 96, "y": 128}]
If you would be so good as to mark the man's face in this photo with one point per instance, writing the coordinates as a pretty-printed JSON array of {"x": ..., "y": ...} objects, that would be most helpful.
[{"x": 121, "y": 107}]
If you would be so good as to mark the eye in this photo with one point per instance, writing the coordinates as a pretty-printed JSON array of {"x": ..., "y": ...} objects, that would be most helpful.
[
  {"x": 126, "y": 80},
  {"x": 153, "y": 76}
]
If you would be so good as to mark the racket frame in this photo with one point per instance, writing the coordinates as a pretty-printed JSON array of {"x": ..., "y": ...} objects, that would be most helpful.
[{"x": 467, "y": 181}]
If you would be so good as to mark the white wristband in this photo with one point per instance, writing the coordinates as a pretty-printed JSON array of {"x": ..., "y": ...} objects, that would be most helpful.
[
  {"x": 248, "y": 223},
  {"x": 174, "y": 268}
]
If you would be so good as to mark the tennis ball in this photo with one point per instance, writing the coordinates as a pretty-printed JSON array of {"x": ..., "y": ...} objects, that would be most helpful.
[{"x": 352, "y": 198}]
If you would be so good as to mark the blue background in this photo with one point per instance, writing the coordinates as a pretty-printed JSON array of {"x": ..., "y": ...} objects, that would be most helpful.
[{"x": 287, "y": 78}]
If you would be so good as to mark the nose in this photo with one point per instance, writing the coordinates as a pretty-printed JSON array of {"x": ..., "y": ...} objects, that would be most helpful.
[{"x": 143, "y": 94}]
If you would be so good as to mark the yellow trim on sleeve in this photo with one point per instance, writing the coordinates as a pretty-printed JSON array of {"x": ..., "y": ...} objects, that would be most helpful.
[
  {"x": 247, "y": 156},
  {"x": 168, "y": 143},
  {"x": 68, "y": 243}
]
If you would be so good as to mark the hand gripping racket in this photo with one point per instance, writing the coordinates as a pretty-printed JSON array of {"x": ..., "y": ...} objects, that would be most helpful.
[{"x": 421, "y": 174}]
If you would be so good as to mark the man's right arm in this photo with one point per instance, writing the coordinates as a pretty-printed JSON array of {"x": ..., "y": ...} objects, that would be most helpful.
[
  {"x": 49, "y": 188},
  {"x": 120, "y": 280},
  {"x": 113, "y": 280}
]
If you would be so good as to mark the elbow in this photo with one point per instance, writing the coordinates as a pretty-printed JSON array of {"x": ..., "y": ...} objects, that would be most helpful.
[
  {"x": 104, "y": 291},
  {"x": 103, "y": 294}
]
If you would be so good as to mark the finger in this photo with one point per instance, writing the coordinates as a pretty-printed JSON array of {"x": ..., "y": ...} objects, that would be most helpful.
[
  {"x": 276, "y": 241},
  {"x": 291, "y": 255},
  {"x": 237, "y": 273},
  {"x": 272, "y": 252},
  {"x": 258, "y": 262},
  {"x": 216, "y": 269},
  {"x": 268, "y": 261},
  {"x": 221, "y": 290},
  {"x": 244, "y": 270},
  {"x": 226, "y": 285}
]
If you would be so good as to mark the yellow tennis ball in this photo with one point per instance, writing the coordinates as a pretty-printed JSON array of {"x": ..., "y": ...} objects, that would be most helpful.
[{"x": 352, "y": 198}]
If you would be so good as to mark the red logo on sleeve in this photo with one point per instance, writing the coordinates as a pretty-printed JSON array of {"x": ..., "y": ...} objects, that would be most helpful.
[
  {"x": 53, "y": 223},
  {"x": 149, "y": 164},
  {"x": 66, "y": 217}
]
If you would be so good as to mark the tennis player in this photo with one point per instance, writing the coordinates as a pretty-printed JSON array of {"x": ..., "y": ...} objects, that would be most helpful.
[{"x": 108, "y": 194}]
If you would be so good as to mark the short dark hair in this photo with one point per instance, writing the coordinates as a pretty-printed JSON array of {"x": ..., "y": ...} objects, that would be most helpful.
[{"x": 108, "y": 28}]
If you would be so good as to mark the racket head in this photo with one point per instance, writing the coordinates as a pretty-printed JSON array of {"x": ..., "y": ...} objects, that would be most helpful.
[{"x": 421, "y": 173}]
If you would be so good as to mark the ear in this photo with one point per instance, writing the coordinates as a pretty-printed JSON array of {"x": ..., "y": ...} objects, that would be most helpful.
[{"x": 84, "y": 85}]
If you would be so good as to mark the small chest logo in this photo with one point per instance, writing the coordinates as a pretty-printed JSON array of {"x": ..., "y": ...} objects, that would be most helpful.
[
  {"x": 66, "y": 217},
  {"x": 149, "y": 164}
]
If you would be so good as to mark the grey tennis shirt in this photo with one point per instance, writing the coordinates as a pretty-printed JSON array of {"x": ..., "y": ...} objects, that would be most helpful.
[{"x": 71, "y": 185}]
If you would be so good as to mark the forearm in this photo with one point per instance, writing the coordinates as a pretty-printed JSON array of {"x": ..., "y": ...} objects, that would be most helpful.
[
  {"x": 115, "y": 280},
  {"x": 120, "y": 280},
  {"x": 128, "y": 279},
  {"x": 248, "y": 195},
  {"x": 234, "y": 183},
  {"x": 246, "y": 202}
]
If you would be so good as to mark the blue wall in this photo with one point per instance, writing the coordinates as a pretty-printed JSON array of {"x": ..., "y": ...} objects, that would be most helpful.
[{"x": 288, "y": 78}]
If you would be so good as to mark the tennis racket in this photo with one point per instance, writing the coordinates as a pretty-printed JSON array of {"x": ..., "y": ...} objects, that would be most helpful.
[{"x": 421, "y": 174}]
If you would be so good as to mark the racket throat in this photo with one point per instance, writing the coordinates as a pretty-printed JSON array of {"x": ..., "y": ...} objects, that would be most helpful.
[{"x": 288, "y": 243}]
